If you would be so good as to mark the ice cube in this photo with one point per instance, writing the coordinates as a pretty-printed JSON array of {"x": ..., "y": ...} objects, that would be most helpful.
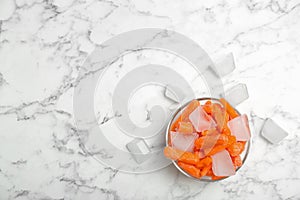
[
  {"x": 239, "y": 127},
  {"x": 225, "y": 65},
  {"x": 273, "y": 132},
  {"x": 183, "y": 142},
  {"x": 222, "y": 164},
  {"x": 174, "y": 93},
  {"x": 139, "y": 150},
  {"x": 200, "y": 120},
  {"x": 237, "y": 94}
]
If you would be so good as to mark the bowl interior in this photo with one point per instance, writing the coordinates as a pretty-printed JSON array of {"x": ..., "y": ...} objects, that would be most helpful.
[{"x": 177, "y": 113}]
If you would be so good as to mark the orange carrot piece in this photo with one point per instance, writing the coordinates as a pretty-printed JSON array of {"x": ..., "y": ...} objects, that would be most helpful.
[
  {"x": 189, "y": 158},
  {"x": 230, "y": 110},
  {"x": 209, "y": 141},
  {"x": 189, "y": 109},
  {"x": 175, "y": 124},
  {"x": 213, "y": 177},
  {"x": 204, "y": 162},
  {"x": 171, "y": 153},
  {"x": 185, "y": 128},
  {"x": 190, "y": 169},
  {"x": 207, "y": 107},
  {"x": 205, "y": 170},
  {"x": 237, "y": 161},
  {"x": 231, "y": 139},
  {"x": 204, "y": 133},
  {"x": 214, "y": 150},
  {"x": 242, "y": 143},
  {"x": 184, "y": 117},
  {"x": 211, "y": 131},
  {"x": 235, "y": 149},
  {"x": 226, "y": 130},
  {"x": 183, "y": 156},
  {"x": 210, "y": 172},
  {"x": 220, "y": 116}
]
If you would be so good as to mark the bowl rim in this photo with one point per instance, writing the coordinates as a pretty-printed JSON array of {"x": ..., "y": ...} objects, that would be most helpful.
[{"x": 248, "y": 143}]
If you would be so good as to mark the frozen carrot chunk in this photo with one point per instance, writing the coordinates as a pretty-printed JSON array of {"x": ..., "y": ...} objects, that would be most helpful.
[
  {"x": 184, "y": 117},
  {"x": 205, "y": 170},
  {"x": 204, "y": 162},
  {"x": 189, "y": 109},
  {"x": 220, "y": 116},
  {"x": 235, "y": 149},
  {"x": 214, "y": 150},
  {"x": 229, "y": 109},
  {"x": 186, "y": 157},
  {"x": 190, "y": 169},
  {"x": 207, "y": 107},
  {"x": 237, "y": 161},
  {"x": 185, "y": 128}
]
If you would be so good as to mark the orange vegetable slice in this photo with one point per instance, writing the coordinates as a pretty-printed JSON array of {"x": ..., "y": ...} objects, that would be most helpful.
[
  {"x": 185, "y": 128},
  {"x": 189, "y": 109},
  {"x": 214, "y": 150},
  {"x": 237, "y": 161},
  {"x": 209, "y": 141},
  {"x": 190, "y": 169},
  {"x": 207, "y": 107},
  {"x": 213, "y": 177},
  {"x": 205, "y": 170},
  {"x": 204, "y": 162},
  {"x": 220, "y": 116},
  {"x": 229, "y": 109},
  {"x": 184, "y": 117},
  {"x": 236, "y": 148},
  {"x": 173, "y": 154},
  {"x": 231, "y": 140},
  {"x": 186, "y": 157}
]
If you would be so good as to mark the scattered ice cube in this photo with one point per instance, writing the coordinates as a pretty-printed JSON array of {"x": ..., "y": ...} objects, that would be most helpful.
[
  {"x": 200, "y": 120},
  {"x": 237, "y": 94},
  {"x": 183, "y": 142},
  {"x": 174, "y": 93},
  {"x": 273, "y": 132},
  {"x": 222, "y": 164},
  {"x": 139, "y": 150},
  {"x": 225, "y": 65},
  {"x": 239, "y": 127}
]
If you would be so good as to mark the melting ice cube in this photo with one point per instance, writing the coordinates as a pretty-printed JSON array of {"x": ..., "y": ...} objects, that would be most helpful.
[
  {"x": 237, "y": 94},
  {"x": 200, "y": 120},
  {"x": 183, "y": 142},
  {"x": 239, "y": 127},
  {"x": 222, "y": 164},
  {"x": 225, "y": 65},
  {"x": 272, "y": 132}
]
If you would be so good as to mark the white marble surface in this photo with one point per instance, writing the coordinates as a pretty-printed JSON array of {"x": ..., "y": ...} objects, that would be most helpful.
[{"x": 42, "y": 46}]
